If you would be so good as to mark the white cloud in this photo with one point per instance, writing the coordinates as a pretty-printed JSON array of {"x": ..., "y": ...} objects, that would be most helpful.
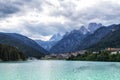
[{"x": 44, "y": 18}]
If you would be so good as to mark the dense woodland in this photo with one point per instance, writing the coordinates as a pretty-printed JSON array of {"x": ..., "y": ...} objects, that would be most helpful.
[
  {"x": 100, "y": 56},
  {"x": 9, "y": 53}
]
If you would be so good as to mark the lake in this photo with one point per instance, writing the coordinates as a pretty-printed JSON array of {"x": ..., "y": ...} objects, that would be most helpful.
[{"x": 59, "y": 70}]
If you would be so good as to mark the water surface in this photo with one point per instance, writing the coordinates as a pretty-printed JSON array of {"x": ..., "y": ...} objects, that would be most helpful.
[{"x": 60, "y": 70}]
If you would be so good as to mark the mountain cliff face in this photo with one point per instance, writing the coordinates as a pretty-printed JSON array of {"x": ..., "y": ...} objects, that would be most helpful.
[
  {"x": 83, "y": 30},
  {"x": 93, "y": 27},
  {"x": 27, "y": 46},
  {"x": 56, "y": 37},
  {"x": 48, "y": 44},
  {"x": 70, "y": 40}
]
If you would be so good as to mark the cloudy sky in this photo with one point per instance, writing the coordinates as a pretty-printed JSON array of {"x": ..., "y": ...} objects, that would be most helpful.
[{"x": 39, "y": 19}]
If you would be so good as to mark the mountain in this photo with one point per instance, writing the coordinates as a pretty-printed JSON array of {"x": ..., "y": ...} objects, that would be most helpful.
[
  {"x": 48, "y": 44},
  {"x": 9, "y": 53},
  {"x": 83, "y": 30},
  {"x": 92, "y": 27},
  {"x": 76, "y": 40},
  {"x": 112, "y": 39},
  {"x": 56, "y": 37},
  {"x": 24, "y": 44},
  {"x": 69, "y": 40},
  {"x": 96, "y": 37}
]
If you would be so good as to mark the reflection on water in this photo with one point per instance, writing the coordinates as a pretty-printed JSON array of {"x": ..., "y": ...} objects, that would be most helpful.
[{"x": 59, "y": 70}]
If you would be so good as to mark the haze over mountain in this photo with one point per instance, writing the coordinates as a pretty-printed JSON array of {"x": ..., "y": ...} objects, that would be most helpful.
[{"x": 51, "y": 42}]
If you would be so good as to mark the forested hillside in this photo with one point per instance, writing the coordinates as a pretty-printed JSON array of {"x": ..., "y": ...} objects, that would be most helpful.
[{"x": 9, "y": 53}]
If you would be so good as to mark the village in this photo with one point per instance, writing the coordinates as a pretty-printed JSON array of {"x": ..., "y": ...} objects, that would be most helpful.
[{"x": 64, "y": 56}]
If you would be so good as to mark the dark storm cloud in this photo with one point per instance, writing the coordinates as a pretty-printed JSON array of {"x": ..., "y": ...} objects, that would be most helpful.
[
  {"x": 7, "y": 9},
  {"x": 11, "y": 7}
]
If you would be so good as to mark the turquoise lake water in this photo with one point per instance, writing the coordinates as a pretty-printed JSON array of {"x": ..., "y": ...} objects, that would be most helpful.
[{"x": 60, "y": 70}]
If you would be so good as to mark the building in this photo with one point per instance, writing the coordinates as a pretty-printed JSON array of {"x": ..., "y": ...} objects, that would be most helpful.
[{"x": 113, "y": 50}]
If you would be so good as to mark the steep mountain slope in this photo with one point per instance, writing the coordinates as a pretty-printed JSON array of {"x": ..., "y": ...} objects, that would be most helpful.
[
  {"x": 95, "y": 37},
  {"x": 112, "y": 39},
  {"x": 24, "y": 44},
  {"x": 69, "y": 41},
  {"x": 48, "y": 44}
]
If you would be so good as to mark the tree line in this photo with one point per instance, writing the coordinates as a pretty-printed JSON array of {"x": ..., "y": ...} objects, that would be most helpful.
[
  {"x": 100, "y": 56},
  {"x": 9, "y": 53}
]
